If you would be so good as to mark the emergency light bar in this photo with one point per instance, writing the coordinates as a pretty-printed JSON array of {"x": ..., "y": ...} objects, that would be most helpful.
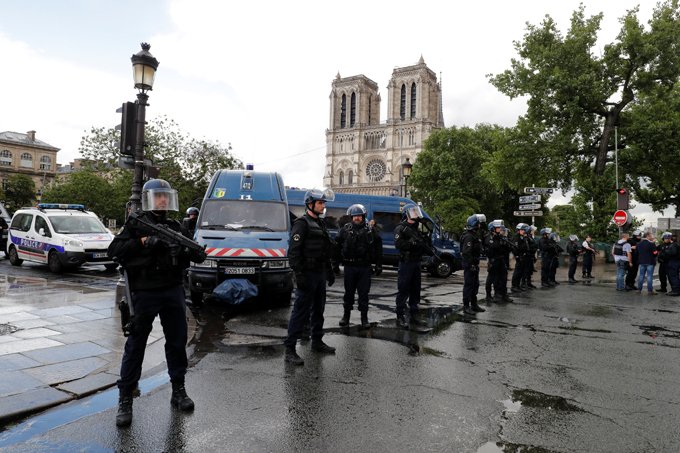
[{"x": 79, "y": 207}]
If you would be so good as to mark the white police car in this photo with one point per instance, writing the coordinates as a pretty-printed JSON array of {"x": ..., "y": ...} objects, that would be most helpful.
[{"x": 59, "y": 235}]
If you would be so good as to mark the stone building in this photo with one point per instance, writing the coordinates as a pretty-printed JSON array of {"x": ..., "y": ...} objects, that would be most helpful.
[
  {"x": 26, "y": 155},
  {"x": 364, "y": 155}
]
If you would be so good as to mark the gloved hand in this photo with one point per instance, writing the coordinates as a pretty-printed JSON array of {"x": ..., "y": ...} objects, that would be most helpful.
[
  {"x": 153, "y": 242},
  {"x": 474, "y": 267},
  {"x": 377, "y": 270},
  {"x": 330, "y": 277},
  {"x": 301, "y": 281}
]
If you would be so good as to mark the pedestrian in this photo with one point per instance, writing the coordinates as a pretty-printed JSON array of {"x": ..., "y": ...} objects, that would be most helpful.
[
  {"x": 671, "y": 256},
  {"x": 359, "y": 247},
  {"x": 588, "y": 257},
  {"x": 646, "y": 249},
  {"x": 573, "y": 250},
  {"x": 471, "y": 250},
  {"x": 412, "y": 246},
  {"x": 623, "y": 257},
  {"x": 309, "y": 254},
  {"x": 189, "y": 222},
  {"x": 661, "y": 259},
  {"x": 521, "y": 252},
  {"x": 631, "y": 276},
  {"x": 155, "y": 272}
]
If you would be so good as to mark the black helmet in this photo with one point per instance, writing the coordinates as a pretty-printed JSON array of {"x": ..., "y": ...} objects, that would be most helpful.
[
  {"x": 319, "y": 195},
  {"x": 356, "y": 209},
  {"x": 158, "y": 195},
  {"x": 192, "y": 211}
]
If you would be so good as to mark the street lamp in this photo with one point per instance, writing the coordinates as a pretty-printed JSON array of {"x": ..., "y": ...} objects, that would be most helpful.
[
  {"x": 406, "y": 171},
  {"x": 144, "y": 67}
]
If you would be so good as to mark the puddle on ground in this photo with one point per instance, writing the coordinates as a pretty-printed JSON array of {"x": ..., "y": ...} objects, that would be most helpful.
[
  {"x": 656, "y": 331},
  {"x": 503, "y": 447},
  {"x": 6, "y": 329},
  {"x": 532, "y": 398},
  {"x": 511, "y": 406}
]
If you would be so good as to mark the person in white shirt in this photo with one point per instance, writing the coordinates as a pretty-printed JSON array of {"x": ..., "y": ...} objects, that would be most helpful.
[{"x": 588, "y": 257}]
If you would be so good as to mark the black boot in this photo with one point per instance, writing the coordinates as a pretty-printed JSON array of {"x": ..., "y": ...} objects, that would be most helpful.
[
  {"x": 573, "y": 280},
  {"x": 180, "y": 399},
  {"x": 124, "y": 416},
  {"x": 467, "y": 310},
  {"x": 344, "y": 322},
  {"x": 401, "y": 322},
  {"x": 489, "y": 298},
  {"x": 415, "y": 321},
  {"x": 475, "y": 306},
  {"x": 320, "y": 346},
  {"x": 292, "y": 356},
  {"x": 364, "y": 320}
]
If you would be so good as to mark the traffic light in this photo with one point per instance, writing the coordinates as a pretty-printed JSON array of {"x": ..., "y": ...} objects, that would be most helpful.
[
  {"x": 128, "y": 128},
  {"x": 622, "y": 198}
]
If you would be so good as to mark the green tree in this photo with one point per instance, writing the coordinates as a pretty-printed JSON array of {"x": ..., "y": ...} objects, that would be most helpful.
[
  {"x": 448, "y": 177},
  {"x": 20, "y": 192},
  {"x": 187, "y": 163},
  {"x": 577, "y": 95}
]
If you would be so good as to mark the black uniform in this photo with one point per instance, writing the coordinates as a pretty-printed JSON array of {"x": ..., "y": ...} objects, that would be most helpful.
[
  {"x": 494, "y": 248},
  {"x": 521, "y": 252},
  {"x": 189, "y": 224},
  {"x": 671, "y": 256},
  {"x": 531, "y": 260},
  {"x": 309, "y": 254},
  {"x": 662, "y": 260},
  {"x": 155, "y": 272},
  {"x": 588, "y": 256},
  {"x": 573, "y": 250},
  {"x": 631, "y": 276},
  {"x": 471, "y": 249},
  {"x": 412, "y": 245},
  {"x": 359, "y": 246}
]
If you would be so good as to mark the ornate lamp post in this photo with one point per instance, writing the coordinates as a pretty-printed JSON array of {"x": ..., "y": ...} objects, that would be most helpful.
[
  {"x": 406, "y": 171},
  {"x": 144, "y": 67}
]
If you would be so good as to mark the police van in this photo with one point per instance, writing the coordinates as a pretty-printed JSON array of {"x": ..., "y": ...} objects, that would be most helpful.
[
  {"x": 59, "y": 235},
  {"x": 386, "y": 211},
  {"x": 244, "y": 223}
]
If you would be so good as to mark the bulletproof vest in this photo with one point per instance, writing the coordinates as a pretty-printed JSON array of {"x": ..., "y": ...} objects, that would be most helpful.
[
  {"x": 357, "y": 243},
  {"x": 317, "y": 243},
  {"x": 471, "y": 246},
  {"x": 493, "y": 245},
  {"x": 618, "y": 249}
]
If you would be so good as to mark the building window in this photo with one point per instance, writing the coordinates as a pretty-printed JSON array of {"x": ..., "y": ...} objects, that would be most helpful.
[
  {"x": 370, "y": 100},
  {"x": 5, "y": 158},
  {"x": 402, "y": 105},
  {"x": 352, "y": 110},
  {"x": 350, "y": 177},
  {"x": 343, "y": 112},
  {"x": 341, "y": 178},
  {"x": 375, "y": 170},
  {"x": 26, "y": 160},
  {"x": 413, "y": 100},
  {"x": 45, "y": 163}
]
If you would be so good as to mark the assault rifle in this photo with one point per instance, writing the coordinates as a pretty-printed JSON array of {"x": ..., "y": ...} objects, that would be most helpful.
[
  {"x": 169, "y": 236},
  {"x": 127, "y": 310}
]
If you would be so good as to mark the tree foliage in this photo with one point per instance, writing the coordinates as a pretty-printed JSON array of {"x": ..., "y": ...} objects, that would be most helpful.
[
  {"x": 20, "y": 192},
  {"x": 577, "y": 95}
]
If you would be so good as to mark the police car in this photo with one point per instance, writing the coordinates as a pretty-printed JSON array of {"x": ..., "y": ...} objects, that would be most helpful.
[{"x": 59, "y": 235}]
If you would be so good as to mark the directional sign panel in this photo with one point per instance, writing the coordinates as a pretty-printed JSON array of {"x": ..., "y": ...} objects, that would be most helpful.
[
  {"x": 664, "y": 223},
  {"x": 538, "y": 190},
  {"x": 526, "y": 207},
  {"x": 529, "y": 198},
  {"x": 528, "y": 213},
  {"x": 674, "y": 223}
]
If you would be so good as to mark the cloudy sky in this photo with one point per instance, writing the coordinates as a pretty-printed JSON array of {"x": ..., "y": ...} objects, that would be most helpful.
[{"x": 258, "y": 74}]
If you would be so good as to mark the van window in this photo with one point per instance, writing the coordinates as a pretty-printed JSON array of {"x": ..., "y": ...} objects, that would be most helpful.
[
  {"x": 42, "y": 223},
  {"x": 244, "y": 214},
  {"x": 22, "y": 222},
  {"x": 387, "y": 221}
]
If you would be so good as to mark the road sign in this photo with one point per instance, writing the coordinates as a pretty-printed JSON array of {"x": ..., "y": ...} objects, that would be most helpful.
[
  {"x": 664, "y": 223},
  {"x": 526, "y": 207},
  {"x": 528, "y": 213},
  {"x": 529, "y": 198},
  {"x": 621, "y": 217},
  {"x": 674, "y": 223},
  {"x": 538, "y": 190}
]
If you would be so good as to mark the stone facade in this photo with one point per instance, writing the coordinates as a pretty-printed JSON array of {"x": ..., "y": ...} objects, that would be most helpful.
[
  {"x": 26, "y": 155},
  {"x": 364, "y": 155}
]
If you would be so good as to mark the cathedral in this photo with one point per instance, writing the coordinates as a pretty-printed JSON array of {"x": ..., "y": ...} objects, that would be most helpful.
[{"x": 366, "y": 156}]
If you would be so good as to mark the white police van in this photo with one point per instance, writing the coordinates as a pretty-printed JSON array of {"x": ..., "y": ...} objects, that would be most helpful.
[{"x": 59, "y": 235}]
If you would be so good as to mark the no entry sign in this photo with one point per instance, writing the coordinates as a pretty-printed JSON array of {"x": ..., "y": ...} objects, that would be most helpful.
[{"x": 621, "y": 217}]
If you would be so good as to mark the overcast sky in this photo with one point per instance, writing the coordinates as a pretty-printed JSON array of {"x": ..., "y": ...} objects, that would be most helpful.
[{"x": 258, "y": 74}]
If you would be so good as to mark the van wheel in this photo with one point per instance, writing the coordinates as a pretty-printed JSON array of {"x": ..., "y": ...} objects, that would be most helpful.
[
  {"x": 14, "y": 257},
  {"x": 443, "y": 269},
  {"x": 53, "y": 262},
  {"x": 196, "y": 298}
]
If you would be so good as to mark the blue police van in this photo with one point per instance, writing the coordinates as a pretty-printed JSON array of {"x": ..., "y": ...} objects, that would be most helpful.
[
  {"x": 244, "y": 223},
  {"x": 386, "y": 211}
]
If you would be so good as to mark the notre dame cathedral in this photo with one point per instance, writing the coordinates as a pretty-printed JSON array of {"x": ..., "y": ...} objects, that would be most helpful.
[{"x": 364, "y": 155}]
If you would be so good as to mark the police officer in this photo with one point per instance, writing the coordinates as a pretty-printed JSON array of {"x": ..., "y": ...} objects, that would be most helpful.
[
  {"x": 506, "y": 248},
  {"x": 189, "y": 222},
  {"x": 412, "y": 245},
  {"x": 154, "y": 271},
  {"x": 631, "y": 276},
  {"x": 495, "y": 253},
  {"x": 671, "y": 256},
  {"x": 471, "y": 249},
  {"x": 554, "y": 251},
  {"x": 359, "y": 246},
  {"x": 661, "y": 258},
  {"x": 531, "y": 259},
  {"x": 588, "y": 257},
  {"x": 309, "y": 254},
  {"x": 521, "y": 252},
  {"x": 573, "y": 250}
]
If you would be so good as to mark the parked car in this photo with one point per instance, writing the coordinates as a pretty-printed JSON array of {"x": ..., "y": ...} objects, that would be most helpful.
[{"x": 59, "y": 235}]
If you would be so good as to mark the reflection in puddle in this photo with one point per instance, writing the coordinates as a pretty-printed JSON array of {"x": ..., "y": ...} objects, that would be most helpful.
[
  {"x": 511, "y": 406},
  {"x": 532, "y": 398}
]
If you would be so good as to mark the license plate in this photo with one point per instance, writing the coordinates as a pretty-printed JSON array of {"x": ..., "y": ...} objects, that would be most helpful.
[
  {"x": 239, "y": 270},
  {"x": 99, "y": 255}
]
